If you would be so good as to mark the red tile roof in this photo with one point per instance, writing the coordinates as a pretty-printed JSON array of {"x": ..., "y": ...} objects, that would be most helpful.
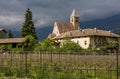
[
  {"x": 51, "y": 35},
  {"x": 87, "y": 32},
  {"x": 65, "y": 26}
]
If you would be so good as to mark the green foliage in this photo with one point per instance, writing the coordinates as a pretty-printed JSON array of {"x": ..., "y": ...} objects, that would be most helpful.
[
  {"x": 2, "y": 46},
  {"x": 113, "y": 44},
  {"x": 30, "y": 42},
  {"x": 28, "y": 25},
  {"x": 54, "y": 71},
  {"x": 10, "y": 35},
  {"x": 47, "y": 45},
  {"x": 37, "y": 47},
  {"x": 103, "y": 49},
  {"x": 119, "y": 32},
  {"x": 5, "y": 47},
  {"x": 69, "y": 46},
  {"x": 71, "y": 67},
  {"x": 6, "y": 71}
]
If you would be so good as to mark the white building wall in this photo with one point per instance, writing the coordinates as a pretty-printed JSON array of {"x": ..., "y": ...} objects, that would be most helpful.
[
  {"x": 55, "y": 30},
  {"x": 84, "y": 42}
]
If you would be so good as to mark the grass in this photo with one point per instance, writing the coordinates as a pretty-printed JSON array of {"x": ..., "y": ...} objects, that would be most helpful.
[{"x": 58, "y": 66}]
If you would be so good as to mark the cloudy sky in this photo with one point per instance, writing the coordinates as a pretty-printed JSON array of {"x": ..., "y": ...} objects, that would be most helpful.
[{"x": 45, "y": 12}]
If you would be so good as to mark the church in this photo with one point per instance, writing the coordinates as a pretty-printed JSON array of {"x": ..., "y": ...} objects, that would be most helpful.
[{"x": 84, "y": 37}]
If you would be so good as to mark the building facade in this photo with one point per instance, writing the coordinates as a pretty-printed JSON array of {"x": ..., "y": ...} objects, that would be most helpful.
[
  {"x": 86, "y": 38},
  {"x": 12, "y": 43},
  {"x": 90, "y": 37}
]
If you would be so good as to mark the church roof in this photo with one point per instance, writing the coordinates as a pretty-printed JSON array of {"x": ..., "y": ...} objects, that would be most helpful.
[
  {"x": 12, "y": 40},
  {"x": 87, "y": 32},
  {"x": 74, "y": 13},
  {"x": 51, "y": 36},
  {"x": 64, "y": 26}
]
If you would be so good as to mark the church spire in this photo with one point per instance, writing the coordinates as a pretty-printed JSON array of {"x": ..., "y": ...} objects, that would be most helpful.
[
  {"x": 75, "y": 19},
  {"x": 75, "y": 13}
]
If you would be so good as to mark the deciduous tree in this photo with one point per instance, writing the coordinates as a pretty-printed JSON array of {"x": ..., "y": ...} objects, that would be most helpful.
[
  {"x": 48, "y": 45},
  {"x": 30, "y": 42},
  {"x": 69, "y": 46}
]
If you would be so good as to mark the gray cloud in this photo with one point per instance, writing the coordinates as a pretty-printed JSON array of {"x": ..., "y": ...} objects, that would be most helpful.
[{"x": 45, "y": 12}]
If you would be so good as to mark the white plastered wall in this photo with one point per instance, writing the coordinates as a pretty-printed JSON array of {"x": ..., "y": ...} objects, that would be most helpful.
[
  {"x": 55, "y": 30},
  {"x": 81, "y": 41}
]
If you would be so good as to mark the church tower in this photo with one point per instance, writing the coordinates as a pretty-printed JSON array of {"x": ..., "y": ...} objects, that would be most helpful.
[{"x": 75, "y": 19}]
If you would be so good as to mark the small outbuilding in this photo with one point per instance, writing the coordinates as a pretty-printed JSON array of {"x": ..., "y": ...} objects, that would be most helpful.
[{"x": 12, "y": 43}]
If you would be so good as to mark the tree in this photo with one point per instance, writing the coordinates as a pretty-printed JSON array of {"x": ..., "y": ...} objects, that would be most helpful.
[
  {"x": 70, "y": 47},
  {"x": 48, "y": 45},
  {"x": 28, "y": 25},
  {"x": 119, "y": 32},
  {"x": 10, "y": 35},
  {"x": 30, "y": 42}
]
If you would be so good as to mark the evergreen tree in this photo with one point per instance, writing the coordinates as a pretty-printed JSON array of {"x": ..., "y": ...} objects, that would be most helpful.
[
  {"x": 119, "y": 32},
  {"x": 28, "y": 25},
  {"x": 10, "y": 35}
]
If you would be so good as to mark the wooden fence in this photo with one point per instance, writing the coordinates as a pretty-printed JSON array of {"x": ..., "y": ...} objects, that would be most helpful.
[{"x": 85, "y": 64}]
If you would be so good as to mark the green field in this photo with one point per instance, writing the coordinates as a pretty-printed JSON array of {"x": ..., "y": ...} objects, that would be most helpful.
[{"x": 57, "y": 66}]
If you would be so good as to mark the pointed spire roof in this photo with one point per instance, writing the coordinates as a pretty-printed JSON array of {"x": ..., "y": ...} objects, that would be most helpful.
[{"x": 74, "y": 13}]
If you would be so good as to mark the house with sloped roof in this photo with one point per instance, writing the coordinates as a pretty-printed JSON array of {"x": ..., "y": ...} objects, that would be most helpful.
[
  {"x": 2, "y": 33},
  {"x": 84, "y": 37},
  {"x": 12, "y": 43},
  {"x": 90, "y": 37}
]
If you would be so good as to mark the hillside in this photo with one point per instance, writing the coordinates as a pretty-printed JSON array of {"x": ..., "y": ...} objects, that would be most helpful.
[{"x": 111, "y": 23}]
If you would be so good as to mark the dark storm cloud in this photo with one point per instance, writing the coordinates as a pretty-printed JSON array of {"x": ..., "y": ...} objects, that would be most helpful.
[{"x": 45, "y": 12}]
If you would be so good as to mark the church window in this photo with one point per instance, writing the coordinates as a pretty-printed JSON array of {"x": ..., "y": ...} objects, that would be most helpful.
[{"x": 77, "y": 19}]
